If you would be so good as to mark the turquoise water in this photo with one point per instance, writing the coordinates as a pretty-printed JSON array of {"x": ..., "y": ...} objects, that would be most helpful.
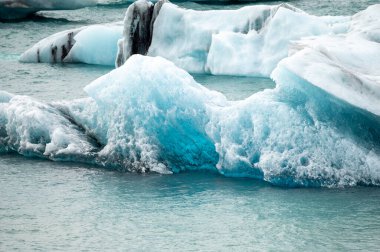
[
  {"x": 57, "y": 206},
  {"x": 60, "y": 206}
]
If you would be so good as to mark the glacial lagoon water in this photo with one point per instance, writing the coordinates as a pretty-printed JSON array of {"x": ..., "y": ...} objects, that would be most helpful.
[
  {"x": 48, "y": 205},
  {"x": 69, "y": 207}
]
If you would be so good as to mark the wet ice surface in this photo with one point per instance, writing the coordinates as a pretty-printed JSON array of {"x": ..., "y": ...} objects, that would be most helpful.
[{"x": 149, "y": 115}]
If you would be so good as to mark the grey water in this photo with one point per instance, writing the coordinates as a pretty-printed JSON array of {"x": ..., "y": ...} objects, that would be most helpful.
[
  {"x": 55, "y": 206},
  {"x": 68, "y": 207}
]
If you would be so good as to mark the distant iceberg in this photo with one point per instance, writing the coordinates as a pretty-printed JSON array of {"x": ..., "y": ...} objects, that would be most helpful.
[
  {"x": 78, "y": 45},
  {"x": 249, "y": 41},
  {"x": 14, "y": 9},
  {"x": 146, "y": 31}
]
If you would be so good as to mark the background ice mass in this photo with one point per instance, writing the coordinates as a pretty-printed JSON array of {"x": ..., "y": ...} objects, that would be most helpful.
[
  {"x": 318, "y": 127},
  {"x": 11, "y": 9},
  {"x": 249, "y": 41}
]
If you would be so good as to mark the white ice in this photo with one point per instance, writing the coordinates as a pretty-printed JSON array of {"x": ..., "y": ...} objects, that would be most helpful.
[
  {"x": 150, "y": 115},
  {"x": 90, "y": 48},
  {"x": 96, "y": 44},
  {"x": 247, "y": 41},
  {"x": 346, "y": 66}
]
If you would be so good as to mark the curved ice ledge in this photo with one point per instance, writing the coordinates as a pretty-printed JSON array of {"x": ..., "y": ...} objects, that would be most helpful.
[{"x": 150, "y": 115}]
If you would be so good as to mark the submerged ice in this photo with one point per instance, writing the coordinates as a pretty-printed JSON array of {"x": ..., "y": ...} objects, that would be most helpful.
[{"x": 149, "y": 115}]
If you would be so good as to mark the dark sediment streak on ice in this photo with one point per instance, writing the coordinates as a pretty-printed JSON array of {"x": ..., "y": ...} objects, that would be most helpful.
[
  {"x": 59, "y": 46},
  {"x": 138, "y": 29}
]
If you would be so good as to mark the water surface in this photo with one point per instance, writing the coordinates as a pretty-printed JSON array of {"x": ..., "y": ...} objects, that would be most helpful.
[{"x": 60, "y": 206}]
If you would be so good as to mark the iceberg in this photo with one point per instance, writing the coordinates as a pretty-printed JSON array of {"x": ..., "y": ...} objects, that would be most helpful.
[
  {"x": 249, "y": 41},
  {"x": 15, "y": 9},
  {"x": 150, "y": 115},
  {"x": 320, "y": 126},
  {"x": 192, "y": 42},
  {"x": 78, "y": 46},
  {"x": 195, "y": 38},
  {"x": 52, "y": 49}
]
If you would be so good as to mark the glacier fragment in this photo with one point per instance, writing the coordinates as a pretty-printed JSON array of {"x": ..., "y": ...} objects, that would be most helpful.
[
  {"x": 149, "y": 115},
  {"x": 247, "y": 41},
  {"x": 96, "y": 44}
]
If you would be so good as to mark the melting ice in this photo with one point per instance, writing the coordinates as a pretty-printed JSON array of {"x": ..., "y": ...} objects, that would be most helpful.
[{"x": 318, "y": 127}]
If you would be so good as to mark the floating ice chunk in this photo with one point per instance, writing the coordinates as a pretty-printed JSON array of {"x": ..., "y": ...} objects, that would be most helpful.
[
  {"x": 346, "y": 67},
  {"x": 149, "y": 115},
  {"x": 184, "y": 36},
  {"x": 13, "y": 9},
  {"x": 247, "y": 41},
  {"x": 51, "y": 49},
  {"x": 257, "y": 53},
  {"x": 96, "y": 44},
  {"x": 154, "y": 116}
]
